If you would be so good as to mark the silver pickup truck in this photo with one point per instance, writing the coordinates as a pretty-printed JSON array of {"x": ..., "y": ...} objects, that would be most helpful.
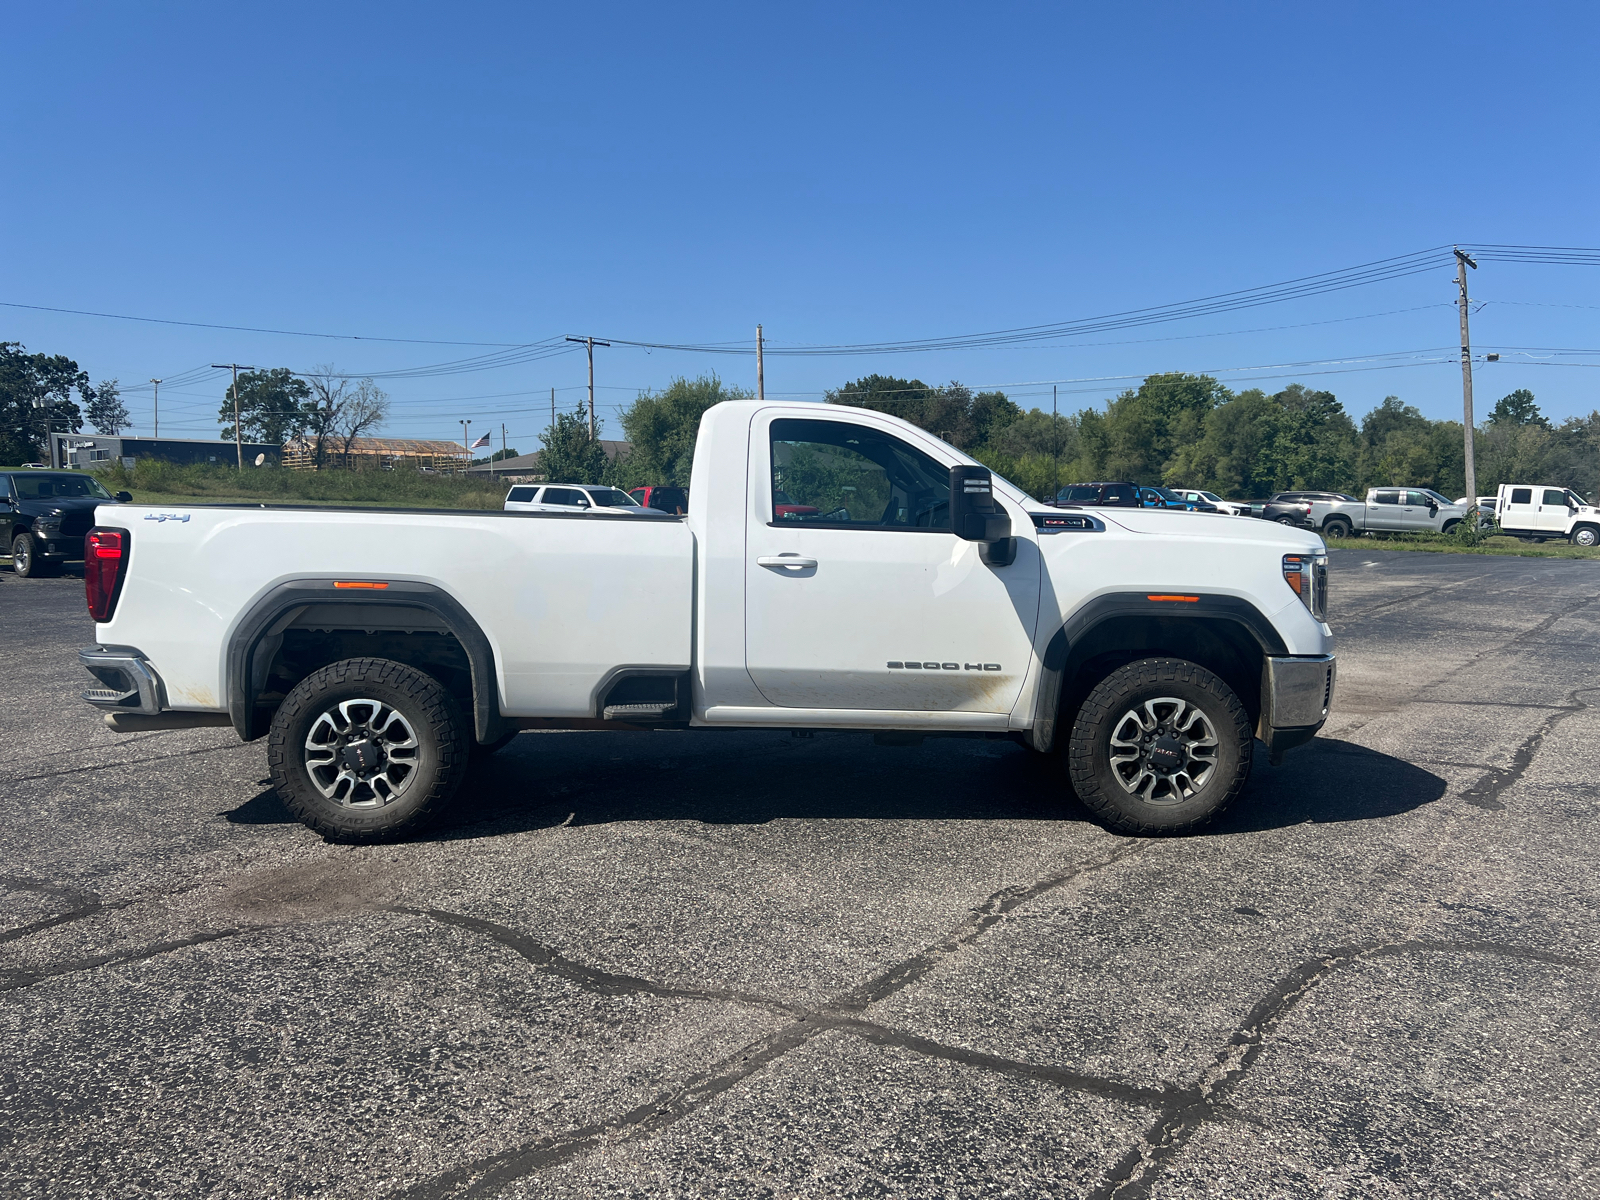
[{"x": 1387, "y": 510}]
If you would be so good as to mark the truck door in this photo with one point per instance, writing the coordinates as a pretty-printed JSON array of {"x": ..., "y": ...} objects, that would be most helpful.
[
  {"x": 1384, "y": 511},
  {"x": 1519, "y": 511},
  {"x": 1553, "y": 513},
  {"x": 882, "y": 607},
  {"x": 1421, "y": 511}
]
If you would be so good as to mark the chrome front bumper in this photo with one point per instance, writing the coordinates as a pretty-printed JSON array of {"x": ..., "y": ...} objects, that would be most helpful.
[
  {"x": 131, "y": 685},
  {"x": 1296, "y": 694}
]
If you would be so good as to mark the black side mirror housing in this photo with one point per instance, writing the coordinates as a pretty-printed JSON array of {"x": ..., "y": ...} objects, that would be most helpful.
[
  {"x": 975, "y": 516},
  {"x": 124, "y": 497}
]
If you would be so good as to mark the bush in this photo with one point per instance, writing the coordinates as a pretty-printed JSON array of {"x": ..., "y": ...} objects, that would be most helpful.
[{"x": 402, "y": 487}]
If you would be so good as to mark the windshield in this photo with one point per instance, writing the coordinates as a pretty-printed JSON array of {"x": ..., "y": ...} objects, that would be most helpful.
[
  {"x": 1438, "y": 498},
  {"x": 612, "y": 498},
  {"x": 1577, "y": 499},
  {"x": 52, "y": 487}
]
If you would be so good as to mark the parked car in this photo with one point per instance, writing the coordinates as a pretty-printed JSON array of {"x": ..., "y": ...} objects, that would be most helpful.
[
  {"x": 673, "y": 500},
  {"x": 1294, "y": 508},
  {"x": 1147, "y": 646},
  {"x": 1160, "y": 497},
  {"x": 1234, "y": 508},
  {"x": 1100, "y": 495},
  {"x": 1387, "y": 510},
  {"x": 572, "y": 498},
  {"x": 46, "y": 514},
  {"x": 1541, "y": 511}
]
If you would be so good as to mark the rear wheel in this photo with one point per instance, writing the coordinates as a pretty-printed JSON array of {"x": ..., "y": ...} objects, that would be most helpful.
[
  {"x": 367, "y": 749},
  {"x": 1160, "y": 746},
  {"x": 1287, "y": 521},
  {"x": 1337, "y": 527}
]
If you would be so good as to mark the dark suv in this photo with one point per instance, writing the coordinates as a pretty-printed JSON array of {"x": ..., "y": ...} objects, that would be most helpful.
[
  {"x": 1100, "y": 495},
  {"x": 1294, "y": 508},
  {"x": 46, "y": 514}
]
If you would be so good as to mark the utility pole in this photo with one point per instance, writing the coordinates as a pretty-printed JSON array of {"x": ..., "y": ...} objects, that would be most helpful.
[
  {"x": 552, "y": 408},
  {"x": 761, "y": 379},
  {"x": 591, "y": 343},
  {"x": 502, "y": 448},
  {"x": 238, "y": 438},
  {"x": 466, "y": 421},
  {"x": 157, "y": 382},
  {"x": 1055, "y": 448},
  {"x": 1463, "y": 261}
]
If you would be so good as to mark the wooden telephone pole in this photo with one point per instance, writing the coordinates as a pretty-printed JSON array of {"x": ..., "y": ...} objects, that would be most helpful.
[
  {"x": 591, "y": 343},
  {"x": 238, "y": 438},
  {"x": 761, "y": 376},
  {"x": 1463, "y": 261}
]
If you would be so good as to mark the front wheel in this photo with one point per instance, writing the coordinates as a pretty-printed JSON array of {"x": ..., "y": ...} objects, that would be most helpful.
[
  {"x": 1585, "y": 535},
  {"x": 1160, "y": 746},
  {"x": 25, "y": 558},
  {"x": 367, "y": 749}
]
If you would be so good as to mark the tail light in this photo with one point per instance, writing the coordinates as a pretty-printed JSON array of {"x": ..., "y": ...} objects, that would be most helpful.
[{"x": 105, "y": 562}]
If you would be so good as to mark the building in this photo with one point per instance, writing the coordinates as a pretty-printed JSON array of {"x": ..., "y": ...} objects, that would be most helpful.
[
  {"x": 376, "y": 454},
  {"x": 525, "y": 468},
  {"x": 99, "y": 449}
]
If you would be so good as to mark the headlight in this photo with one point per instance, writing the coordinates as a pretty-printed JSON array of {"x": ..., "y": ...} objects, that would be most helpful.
[{"x": 1307, "y": 574}]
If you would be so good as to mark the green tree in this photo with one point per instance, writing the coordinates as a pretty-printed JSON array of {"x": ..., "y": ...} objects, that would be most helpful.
[
  {"x": 570, "y": 455},
  {"x": 273, "y": 406},
  {"x": 1518, "y": 409},
  {"x": 107, "y": 413},
  {"x": 35, "y": 394},
  {"x": 966, "y": 420},
  {"x": 662, "y": 427}
]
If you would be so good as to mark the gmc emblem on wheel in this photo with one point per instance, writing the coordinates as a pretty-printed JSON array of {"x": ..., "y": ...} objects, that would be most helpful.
[{"x": 938, "y": 666}]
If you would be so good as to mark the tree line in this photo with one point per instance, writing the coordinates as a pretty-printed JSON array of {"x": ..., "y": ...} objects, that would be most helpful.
[
  {"x": 1174, "y": 429},
  {"x": 36, "y": 400}
]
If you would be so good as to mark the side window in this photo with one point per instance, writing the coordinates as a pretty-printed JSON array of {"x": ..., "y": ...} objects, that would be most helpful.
[
  {"x": 840, "y": 474},
  {"x": 1418, "y": 499},
  {"x": 1387, "y": 498},
  {"x": 568, "y": 496},
  {"x": 1521, "y": 495},
  {"x": 1555, "y": 498},
  {"x": 521, "y": 494}
]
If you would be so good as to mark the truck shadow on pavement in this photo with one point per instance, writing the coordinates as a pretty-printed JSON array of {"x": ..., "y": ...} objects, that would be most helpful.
[{"x": 729, "y": 778}]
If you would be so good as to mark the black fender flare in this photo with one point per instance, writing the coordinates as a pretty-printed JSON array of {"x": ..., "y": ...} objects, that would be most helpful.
[
  {"x": 254, "y": 641},
  {"x": 1194, "y": 606}
]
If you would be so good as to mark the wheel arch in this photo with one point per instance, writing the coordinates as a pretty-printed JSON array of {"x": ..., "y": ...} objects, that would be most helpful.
[
  {"x": 1227, "y": 635},
  {"x": 398, "y": 609}
]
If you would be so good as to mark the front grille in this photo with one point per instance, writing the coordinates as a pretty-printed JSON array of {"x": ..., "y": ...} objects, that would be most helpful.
[{"x": 76, "y": 524}]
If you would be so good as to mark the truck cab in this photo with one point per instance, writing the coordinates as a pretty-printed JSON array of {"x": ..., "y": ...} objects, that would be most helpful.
[{"x": 1541, "y": 511}]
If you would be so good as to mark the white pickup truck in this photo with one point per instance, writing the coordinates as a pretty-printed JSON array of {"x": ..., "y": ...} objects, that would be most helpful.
[
  {"x": 378, "y": 651},
  {"x": 1540, "y": 511}
]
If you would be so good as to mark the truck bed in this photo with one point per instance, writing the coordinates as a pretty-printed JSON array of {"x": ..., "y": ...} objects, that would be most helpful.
[{"x": 563, "y": 599}]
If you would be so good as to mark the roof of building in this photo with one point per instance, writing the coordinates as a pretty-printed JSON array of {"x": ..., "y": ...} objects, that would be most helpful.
[
  {"x": 386, "y": 446},
  {"x": 530, "y": 462}
]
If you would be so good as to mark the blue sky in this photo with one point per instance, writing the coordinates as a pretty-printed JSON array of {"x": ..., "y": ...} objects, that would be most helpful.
[{"x": 842, "y": 174}]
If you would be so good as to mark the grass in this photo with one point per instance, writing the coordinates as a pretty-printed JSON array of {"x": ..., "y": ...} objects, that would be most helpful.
[{"x": 1438, "y": 543}]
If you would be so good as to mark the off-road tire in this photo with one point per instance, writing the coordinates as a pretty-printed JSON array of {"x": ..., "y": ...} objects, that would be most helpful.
[
  {"x": 1586, "y": 535},
  {"x": 27, "y": 562},
  {"x": 1337, "y": 527},
  {"x": 1089, "y": 749},
  {"x": 440, "y": 729}
]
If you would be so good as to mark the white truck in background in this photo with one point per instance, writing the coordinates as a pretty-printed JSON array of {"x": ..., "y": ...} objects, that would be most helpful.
[
  {"x": 379, "y": 651},
  {"x": 1541, "y": 511}
]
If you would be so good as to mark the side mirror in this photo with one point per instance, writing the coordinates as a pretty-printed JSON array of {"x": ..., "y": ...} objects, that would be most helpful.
[
  {"x": 976, "y": 517},
  {"x": 124, "y": 497}
]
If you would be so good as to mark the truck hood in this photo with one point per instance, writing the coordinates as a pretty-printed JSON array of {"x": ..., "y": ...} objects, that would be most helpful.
[{"x": 1218, "y": 526}]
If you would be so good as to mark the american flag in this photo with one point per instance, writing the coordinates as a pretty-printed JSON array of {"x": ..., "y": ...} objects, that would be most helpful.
[{"x": 481, "y": 442}]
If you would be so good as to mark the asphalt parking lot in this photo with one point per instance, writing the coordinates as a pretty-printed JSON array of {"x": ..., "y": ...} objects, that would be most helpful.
[{"x": 752, "y": 965}]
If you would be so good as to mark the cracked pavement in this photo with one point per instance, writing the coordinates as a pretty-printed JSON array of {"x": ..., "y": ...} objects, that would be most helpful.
[{"x": 750, "y": 965}]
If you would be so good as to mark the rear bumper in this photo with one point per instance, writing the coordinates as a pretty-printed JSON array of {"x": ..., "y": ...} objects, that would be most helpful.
[
  {"x": 1296, "y": 694},
  {"x": 130, "y": 684}
]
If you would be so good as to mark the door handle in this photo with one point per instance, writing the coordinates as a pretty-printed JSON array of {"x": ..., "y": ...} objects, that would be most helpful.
[{"x": 785, "y": 560}]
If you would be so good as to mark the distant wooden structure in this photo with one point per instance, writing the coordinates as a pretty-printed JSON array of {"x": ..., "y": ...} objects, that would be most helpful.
[{"x": 377, "y": 454}]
